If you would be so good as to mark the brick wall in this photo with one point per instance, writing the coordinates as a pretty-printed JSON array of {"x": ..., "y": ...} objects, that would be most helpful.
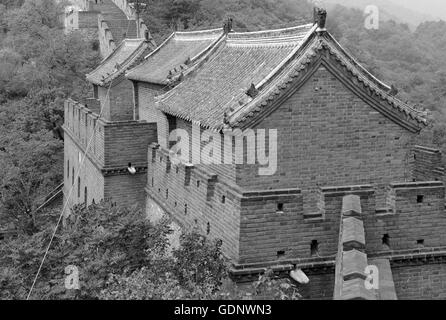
[
  {"x": 417, "y": 212},
  {"x": 112, "y": 146},
  {"x": 145, "y": 94},
  {"x": 327, "y": 136},
  {"x": 195, "y": 199},
  {"x": 422, "y": 281},
  {"x": 89, "y": 176},
  {"x": 128, "y": 142},
  {"x": 118, "y": 104},
  {"x": 126, "y": 190},
  {"x": 196, "y": 151},
  {"x": 427, "y": 164}
]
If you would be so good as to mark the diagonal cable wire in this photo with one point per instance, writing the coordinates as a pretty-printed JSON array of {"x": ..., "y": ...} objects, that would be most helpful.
[{"x": 67, "y": 200}]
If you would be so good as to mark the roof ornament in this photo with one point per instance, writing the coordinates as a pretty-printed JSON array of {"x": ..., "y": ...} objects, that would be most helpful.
[
  {"x": 226, "y": 118},
  {"x": 393, "y": 90},
  {"x": 252, "y": 91},
  {"x": 320, "y": 17},
  {"x": 227, "y": 26}
]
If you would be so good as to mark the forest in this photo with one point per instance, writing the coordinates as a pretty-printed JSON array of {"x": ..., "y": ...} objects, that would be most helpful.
[{"x": 40, "y": 66}]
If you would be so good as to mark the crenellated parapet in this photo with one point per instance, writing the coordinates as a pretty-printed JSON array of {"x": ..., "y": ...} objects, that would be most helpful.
[
  {"x": 106, "y": 41},
  {"x": 111, "y": 145}
]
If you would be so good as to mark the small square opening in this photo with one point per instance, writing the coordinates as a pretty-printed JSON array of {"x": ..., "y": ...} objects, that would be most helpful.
[
  {"x": 420, "y": 242},
  {"x": 420, "y": 199},
  {"x": 280, "y": 254},
  {"x": 280, "y": 207}
]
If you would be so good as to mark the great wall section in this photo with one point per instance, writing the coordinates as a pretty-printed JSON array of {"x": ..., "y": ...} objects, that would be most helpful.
[
  {"x": 392, "y": 219},
  {"x": 108, "y": 21}
]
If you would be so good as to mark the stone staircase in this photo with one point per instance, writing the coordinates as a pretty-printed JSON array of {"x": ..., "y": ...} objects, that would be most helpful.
[{"x": 117, "y": 21}]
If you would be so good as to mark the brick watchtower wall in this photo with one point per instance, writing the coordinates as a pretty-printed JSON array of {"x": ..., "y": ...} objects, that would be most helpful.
[{"x": 113, "y": 146}]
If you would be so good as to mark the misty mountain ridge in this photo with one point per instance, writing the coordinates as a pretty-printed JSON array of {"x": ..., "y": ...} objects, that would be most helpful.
[{"x": 388, "y": 11}]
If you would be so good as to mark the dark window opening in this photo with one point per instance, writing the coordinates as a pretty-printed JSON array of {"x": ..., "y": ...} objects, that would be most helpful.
[
  {"x": 177, "y": 170},
  {"x": 185, "y": 209},
  {"x": 153, "y": 182},
  {"x": 86, "y": 196},
  {"x": 386, "y": 240},
  {"x": 159, "y": 190},
  {"x": 176, "y": 204},
  {"x": 167, "y": 193},
  {"x": 198, "y": 183},
  {"x": 223, "y": 199},
  {"x": 208, "y": 228},
  {"x": 420, "y": 242},
  {"x": 420, "y": 199},
  {"x": 68, "y": 169},
  {"x": 72, "y": 176},
  {"x": 314, "y": 247},
  {"x": 280, "y": 253},
  {"x": 280, "y": 207},
  {"x": 172, "y": 125},
  {"x": 78, "y": 187}
]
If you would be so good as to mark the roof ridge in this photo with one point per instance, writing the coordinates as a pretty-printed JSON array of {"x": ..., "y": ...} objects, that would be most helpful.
[
  {"x": 199, "y": 31},
  {"x": 198, "y": 34},
  {"x": 273, "y": 33},
  {"x": 134, "y": 55}
]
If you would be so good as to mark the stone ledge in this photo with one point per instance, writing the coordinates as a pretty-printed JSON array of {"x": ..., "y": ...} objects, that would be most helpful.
[
  {"x": 416, "y": 185},
  {"x": 427, "y": 149}
]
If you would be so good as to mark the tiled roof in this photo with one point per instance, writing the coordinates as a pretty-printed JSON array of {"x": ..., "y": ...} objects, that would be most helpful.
[
  {"x": 221, "y": 83},
  {"x": 176, "y": 53},
  {"x": 302, "y": 61},
  {"x": 217, "y": 96},
  {"x": 125, "y": 55}
]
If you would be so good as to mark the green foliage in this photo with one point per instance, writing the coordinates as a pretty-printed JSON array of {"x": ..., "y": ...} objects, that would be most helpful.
[
  {"x": 248, "y": 15},
  {"x": 121, "y": 255},
  {"x": 39, "y": 67},
  {"x": 100, "y": 241}
]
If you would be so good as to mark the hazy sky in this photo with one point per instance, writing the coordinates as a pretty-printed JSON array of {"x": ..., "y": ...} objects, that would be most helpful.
[{"x": 433, "y": 7}]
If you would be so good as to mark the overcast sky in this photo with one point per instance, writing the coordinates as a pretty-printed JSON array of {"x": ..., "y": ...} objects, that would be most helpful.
[{"x": 433, "y": 7}]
